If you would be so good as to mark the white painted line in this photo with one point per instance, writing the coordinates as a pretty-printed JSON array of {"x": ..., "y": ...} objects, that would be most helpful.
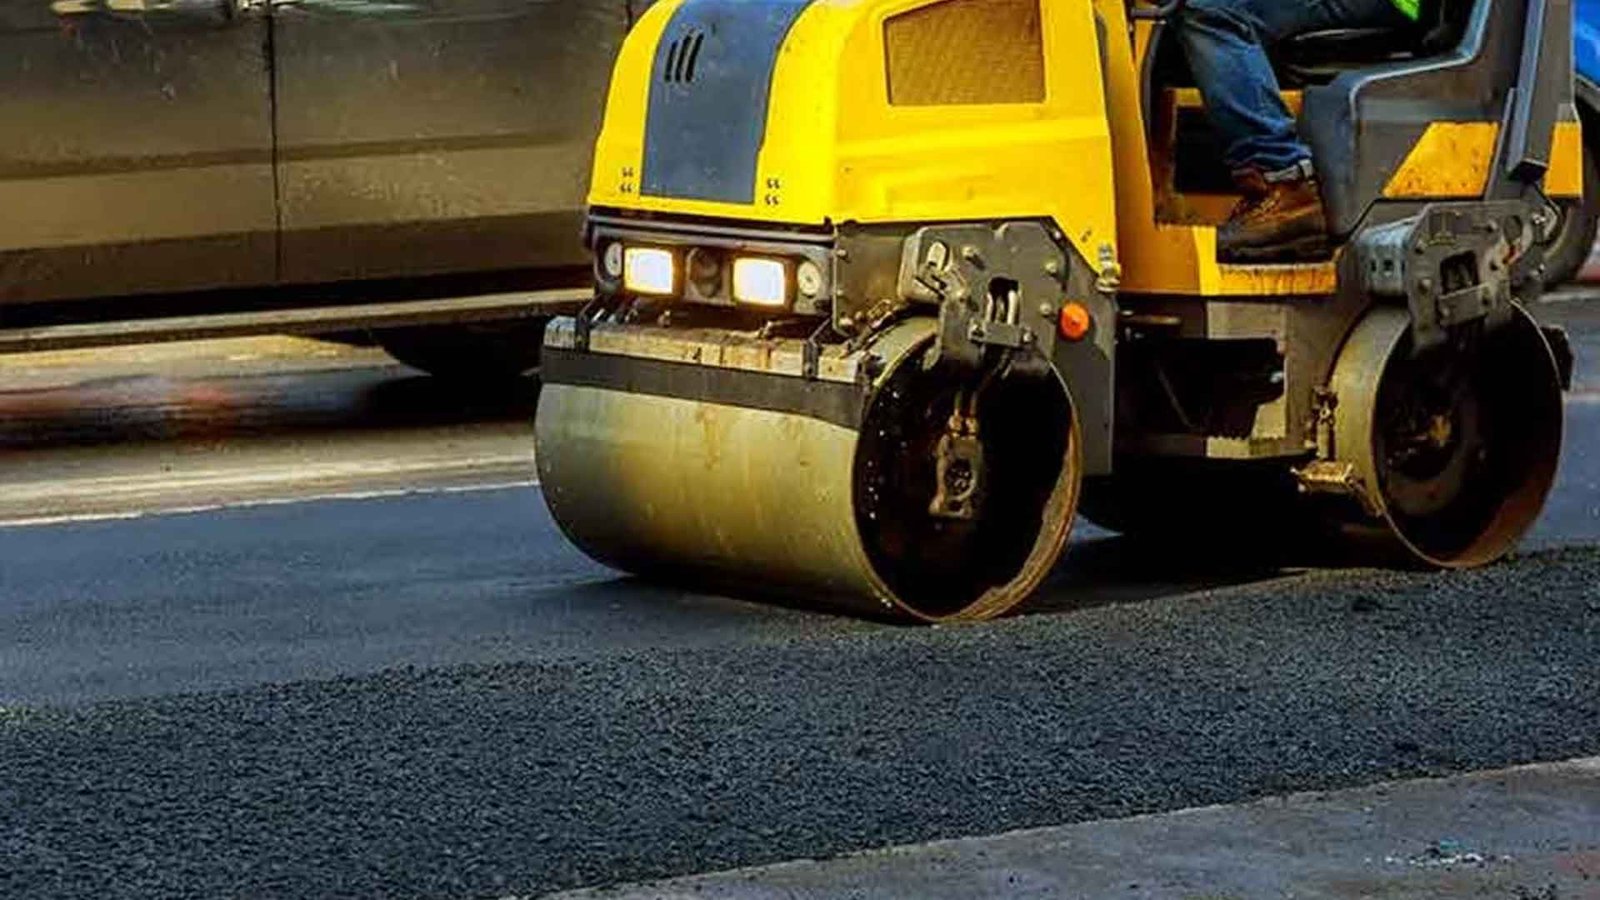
[
  {"x": 33, "y": 493},
  {"x": 35, "y": 521}
]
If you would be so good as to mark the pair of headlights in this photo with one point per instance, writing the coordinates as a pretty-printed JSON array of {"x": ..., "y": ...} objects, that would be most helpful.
[{"x": 756, "y": 280}]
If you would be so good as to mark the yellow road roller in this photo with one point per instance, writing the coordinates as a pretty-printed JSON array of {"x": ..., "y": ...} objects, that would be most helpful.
[{"x": 889, "y": 291}]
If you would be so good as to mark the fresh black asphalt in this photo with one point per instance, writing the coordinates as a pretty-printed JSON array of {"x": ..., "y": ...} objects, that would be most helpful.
[{"x": 735, "y": 734}]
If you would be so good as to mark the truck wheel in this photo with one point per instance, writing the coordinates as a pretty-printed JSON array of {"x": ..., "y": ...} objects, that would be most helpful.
[
  {"x": 1574, "y": 237},
  {"x": 496, "y": 351}
]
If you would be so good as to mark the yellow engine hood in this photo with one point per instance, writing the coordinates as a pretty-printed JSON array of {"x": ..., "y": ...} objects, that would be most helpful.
[{"x": 817, "y": 111}]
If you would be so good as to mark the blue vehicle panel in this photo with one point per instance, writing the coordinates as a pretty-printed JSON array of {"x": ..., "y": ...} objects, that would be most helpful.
[{"x": 1586, "y": 40}]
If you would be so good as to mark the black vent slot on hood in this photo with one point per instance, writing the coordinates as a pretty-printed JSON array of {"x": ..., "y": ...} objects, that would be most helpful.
[{"x": 682, "y": 55}]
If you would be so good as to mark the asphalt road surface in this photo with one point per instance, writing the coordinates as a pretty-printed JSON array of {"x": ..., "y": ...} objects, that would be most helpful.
[{"x": 364, "y": 662}]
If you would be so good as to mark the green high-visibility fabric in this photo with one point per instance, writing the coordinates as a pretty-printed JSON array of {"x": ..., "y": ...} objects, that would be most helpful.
[{"x": 1409, "y": 8}]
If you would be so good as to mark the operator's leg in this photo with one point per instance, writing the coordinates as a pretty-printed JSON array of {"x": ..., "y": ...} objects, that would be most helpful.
[{"x": 1226, "y": 42}]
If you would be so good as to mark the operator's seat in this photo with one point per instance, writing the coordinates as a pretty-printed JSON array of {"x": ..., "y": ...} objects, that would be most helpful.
[
  {"x": 1318, "y": 71},
  {"x": 1317, "y": 57}
]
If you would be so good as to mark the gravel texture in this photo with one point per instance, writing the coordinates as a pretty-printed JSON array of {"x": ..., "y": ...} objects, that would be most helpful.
[{"x": 518, "y": 778}]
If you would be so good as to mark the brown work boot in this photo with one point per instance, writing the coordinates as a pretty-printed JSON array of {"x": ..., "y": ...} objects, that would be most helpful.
[{"x": 1280, "y": 219}]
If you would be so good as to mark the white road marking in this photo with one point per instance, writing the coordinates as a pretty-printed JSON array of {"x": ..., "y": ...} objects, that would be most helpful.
[
  {"x": 35, "y": 521},
  {"x": 167, "y": 482}
]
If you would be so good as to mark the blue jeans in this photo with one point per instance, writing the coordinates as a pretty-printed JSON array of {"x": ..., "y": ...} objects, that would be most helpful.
[{"x": 1226, "y": 42}]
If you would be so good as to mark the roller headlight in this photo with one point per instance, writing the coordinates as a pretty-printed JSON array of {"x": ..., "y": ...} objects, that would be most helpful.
[
  {"x": 649, "y": 270},
  {"x": 764, "y": 282}
]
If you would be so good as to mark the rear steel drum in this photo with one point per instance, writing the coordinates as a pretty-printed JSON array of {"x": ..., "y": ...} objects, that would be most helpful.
[{"x": 1456, "y": 448}]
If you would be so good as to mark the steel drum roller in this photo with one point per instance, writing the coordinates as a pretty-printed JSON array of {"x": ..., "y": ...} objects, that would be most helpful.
[
  {"x": 1452, "y": 454},
  {"x": 1455, "y": 452},
  {"x": 789, "y": 505}
]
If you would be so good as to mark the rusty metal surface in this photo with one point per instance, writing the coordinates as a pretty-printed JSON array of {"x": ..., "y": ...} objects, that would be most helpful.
[
  {"x": 682, "y": 489},
  {"x": 711, "y": 347}
]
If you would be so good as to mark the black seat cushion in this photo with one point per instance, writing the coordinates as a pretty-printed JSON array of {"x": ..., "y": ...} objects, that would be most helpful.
[
  {"x": 1315, "y": 57},
  {"x": 1353, "y": 44}
]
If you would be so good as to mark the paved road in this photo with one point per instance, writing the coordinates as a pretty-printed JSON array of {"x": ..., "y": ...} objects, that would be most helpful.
[
  {"x": 432, "y": 695},
  {"x": 119, "y": 432}
]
